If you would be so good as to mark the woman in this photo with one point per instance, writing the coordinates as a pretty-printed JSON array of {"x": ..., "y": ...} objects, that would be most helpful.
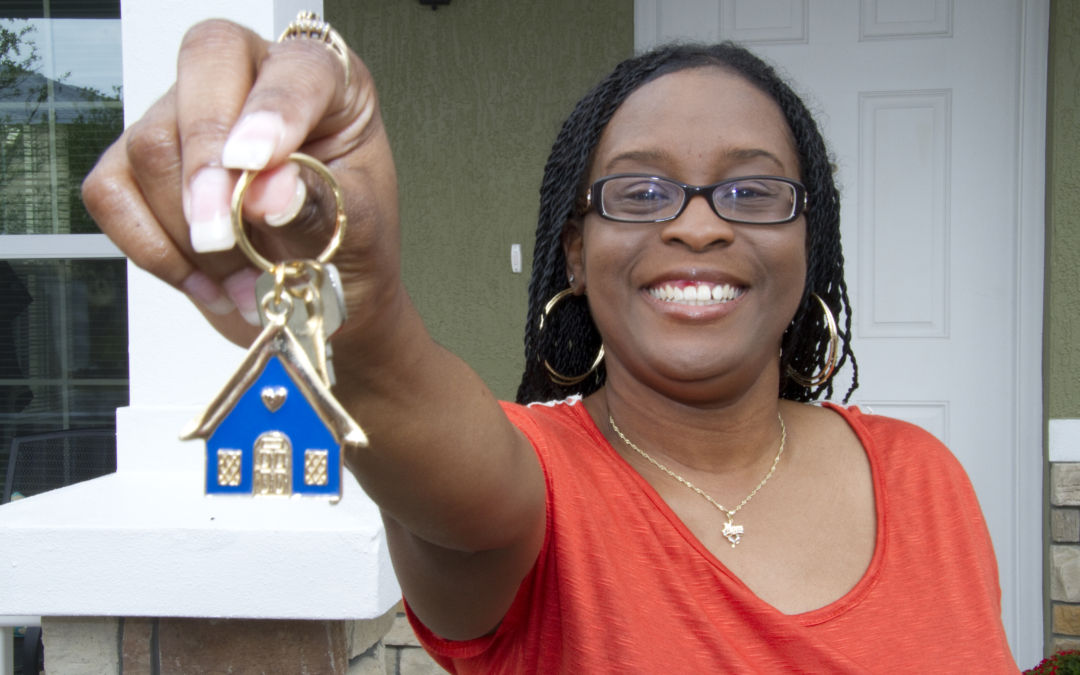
[{"x": 604, "y": 533}]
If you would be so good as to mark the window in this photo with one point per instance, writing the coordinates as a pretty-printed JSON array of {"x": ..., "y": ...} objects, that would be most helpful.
[{"x": 63, "y": 286}]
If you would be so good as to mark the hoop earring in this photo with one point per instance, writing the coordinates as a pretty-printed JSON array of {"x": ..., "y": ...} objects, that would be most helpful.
[
  {"x": 833, "y": 354},
  {"x": 554, "y": 375}
]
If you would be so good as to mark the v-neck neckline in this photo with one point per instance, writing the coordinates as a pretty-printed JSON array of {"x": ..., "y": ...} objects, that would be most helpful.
[{"x": 810, "y": 618}]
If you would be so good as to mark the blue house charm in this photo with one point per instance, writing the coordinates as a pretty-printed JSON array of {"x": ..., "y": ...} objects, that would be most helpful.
[{"x": 275, "y": 429}]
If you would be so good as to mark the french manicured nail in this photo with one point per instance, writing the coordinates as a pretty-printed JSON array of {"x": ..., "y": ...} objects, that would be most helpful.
[
  {"x": 241, "y": 288},
  {"x": 211, "y": 229},
  {"x": 253, "y": 140},
  {"x": 297, "y": 192},
  {"x": 199, "y": 286}
]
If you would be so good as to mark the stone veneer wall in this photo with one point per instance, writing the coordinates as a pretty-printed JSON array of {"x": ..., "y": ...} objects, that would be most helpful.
[
  {"x": 1061, "y": 354},
  {"x": 404, "y": 655},
  {"x": 1065, "y": 556},
  {"x": 1063, "y": 561}
]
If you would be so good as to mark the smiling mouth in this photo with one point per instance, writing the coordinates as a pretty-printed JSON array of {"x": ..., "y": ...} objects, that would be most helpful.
[{"x": 699, "y": 294}]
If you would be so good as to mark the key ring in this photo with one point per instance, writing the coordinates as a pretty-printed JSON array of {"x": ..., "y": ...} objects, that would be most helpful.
[
  {"x": 238, "y": 217},
  {"x": 276, "y": 428}
]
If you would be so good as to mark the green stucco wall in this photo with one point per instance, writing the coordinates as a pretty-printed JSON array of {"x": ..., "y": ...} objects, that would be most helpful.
[
  {"x": 473, "y": 96},
  {"x": 1061, "y": 337},
  {"x": 1061, "y": 356}
]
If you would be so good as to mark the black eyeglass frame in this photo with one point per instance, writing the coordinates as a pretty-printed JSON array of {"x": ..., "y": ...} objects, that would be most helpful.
[{"x": 691, "y": 191}]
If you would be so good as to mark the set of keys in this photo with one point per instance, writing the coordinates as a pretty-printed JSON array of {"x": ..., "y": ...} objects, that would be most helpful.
[
  {"x": 276, "y": 429},
  {"x": 317, "y": 307}
]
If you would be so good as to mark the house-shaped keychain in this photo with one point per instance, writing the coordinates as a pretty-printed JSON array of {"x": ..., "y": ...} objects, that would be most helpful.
[{"x": 275, "y": 429}]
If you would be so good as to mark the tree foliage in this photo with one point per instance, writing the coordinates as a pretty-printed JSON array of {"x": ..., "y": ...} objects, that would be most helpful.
[
  {"x": 46, "y": 150},
  {"x": 19, "y": 60}
]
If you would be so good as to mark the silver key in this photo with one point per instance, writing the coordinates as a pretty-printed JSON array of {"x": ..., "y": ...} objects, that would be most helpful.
[{"x": 313, "y": 333}]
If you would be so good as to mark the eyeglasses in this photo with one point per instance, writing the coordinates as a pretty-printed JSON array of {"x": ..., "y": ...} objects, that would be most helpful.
[{"x": 642, "y": 198}]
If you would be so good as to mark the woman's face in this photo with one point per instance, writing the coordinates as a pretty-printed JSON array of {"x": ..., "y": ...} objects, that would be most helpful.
[{"x": 698, "y": 126}]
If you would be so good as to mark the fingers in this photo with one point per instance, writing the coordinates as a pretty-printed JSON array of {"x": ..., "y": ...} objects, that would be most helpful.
[
  {"x": 304, "y": 98},
  {"x": 163, "y": 192},
  {"x": 153, "y": 152},
  {"x": 215, "y": 71},
  {"x": 115, "y": 201},
  {"x": 303, "y": 94},
  {"x": 133, "y": 193},
  {"x": 276, "y": 196},
  {"x": 271, "y": 97},
  {"x": 290, "y": 211}
]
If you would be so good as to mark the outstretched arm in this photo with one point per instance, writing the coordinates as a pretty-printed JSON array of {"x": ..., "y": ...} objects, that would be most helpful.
[{"x": 461, "y": 491}]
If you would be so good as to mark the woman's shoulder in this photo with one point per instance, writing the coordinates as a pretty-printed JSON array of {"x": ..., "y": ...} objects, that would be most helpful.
[
  {"x": 552, "y": 425},
  {"x": 559, "y": 412},
  {"x": 887, "y": 432},
  {"x": 900, "y": 447}
]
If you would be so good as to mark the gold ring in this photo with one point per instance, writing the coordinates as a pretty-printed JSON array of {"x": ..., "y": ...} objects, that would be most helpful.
[
  {"x": 238, "y": 217},
  {"x": 309, "y": 25}
]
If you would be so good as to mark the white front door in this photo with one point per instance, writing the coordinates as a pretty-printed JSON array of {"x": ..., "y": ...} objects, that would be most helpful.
[{"x": 935, "y": 110}]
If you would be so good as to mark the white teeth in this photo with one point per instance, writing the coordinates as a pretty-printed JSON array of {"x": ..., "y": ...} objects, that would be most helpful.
[{"x": 698, "y": 295}]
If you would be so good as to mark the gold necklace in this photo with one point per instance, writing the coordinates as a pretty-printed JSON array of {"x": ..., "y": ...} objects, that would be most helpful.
[{"x": 731, "y": 531}]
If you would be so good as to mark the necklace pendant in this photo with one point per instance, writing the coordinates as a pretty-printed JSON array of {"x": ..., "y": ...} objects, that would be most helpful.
[{"x": 733, "y": 533}]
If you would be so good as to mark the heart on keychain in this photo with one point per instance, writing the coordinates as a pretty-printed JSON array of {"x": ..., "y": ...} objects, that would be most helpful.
[{"x": 274, "y": 397}]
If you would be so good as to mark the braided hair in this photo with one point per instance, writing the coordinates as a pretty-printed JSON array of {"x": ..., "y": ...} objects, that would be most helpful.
[{"x": 569, "y": 341}]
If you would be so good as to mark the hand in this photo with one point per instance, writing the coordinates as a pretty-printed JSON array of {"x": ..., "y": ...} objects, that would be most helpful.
[
  {"x": 162, "y": 192},
  {"x": 459, "y": 487}
]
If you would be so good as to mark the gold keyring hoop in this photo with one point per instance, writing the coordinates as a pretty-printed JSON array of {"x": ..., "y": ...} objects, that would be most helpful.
[{"x": 238, "y": 216}]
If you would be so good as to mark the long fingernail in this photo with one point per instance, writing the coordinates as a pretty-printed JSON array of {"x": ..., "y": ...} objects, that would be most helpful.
[
  {"x": 253, "y": 140},
  {"x": 296, "y": 202},
  {"x": 211, "y": 229},
  {"x": 198, "y": 286},
  {"x": 241, "y": 288}
]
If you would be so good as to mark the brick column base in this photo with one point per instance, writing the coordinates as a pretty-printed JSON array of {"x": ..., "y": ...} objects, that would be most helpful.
[{"x": 171, "y": 646}]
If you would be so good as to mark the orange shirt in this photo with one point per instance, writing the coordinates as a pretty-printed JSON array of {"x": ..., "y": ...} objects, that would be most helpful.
[{"x": 622, "y": 586}]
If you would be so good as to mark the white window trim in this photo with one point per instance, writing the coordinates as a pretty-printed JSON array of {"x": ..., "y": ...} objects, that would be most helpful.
[{"x": 23, "y": 246}]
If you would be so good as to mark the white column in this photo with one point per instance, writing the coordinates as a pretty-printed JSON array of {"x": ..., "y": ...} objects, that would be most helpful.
[
  {"x": 153, "y": 31},
  {"x": 177, "y": 361}
]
